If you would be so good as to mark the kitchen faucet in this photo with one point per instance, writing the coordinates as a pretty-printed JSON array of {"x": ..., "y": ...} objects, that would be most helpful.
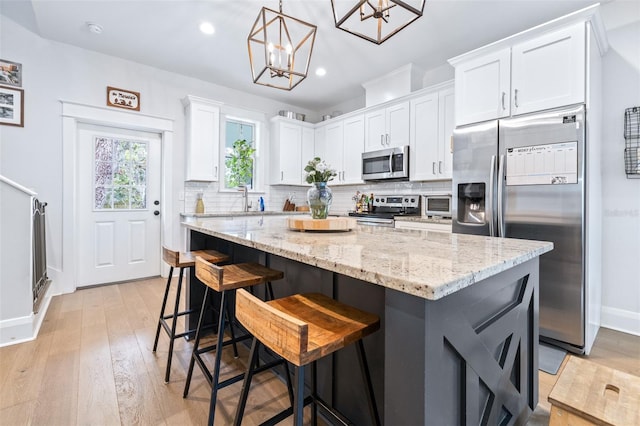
[{"x": 245, "y": 198}]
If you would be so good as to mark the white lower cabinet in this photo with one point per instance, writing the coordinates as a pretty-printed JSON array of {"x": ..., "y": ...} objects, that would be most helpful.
[
  {"x": 432, "y": 124},
  {"x": 290, "y": 140},
  {"x": 425, "y": 226}
]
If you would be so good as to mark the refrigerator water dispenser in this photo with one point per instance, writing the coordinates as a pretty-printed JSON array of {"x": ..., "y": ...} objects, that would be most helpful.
[{"x": 471, "y": 203}]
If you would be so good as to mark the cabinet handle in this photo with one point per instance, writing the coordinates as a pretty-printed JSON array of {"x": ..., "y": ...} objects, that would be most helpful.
[
  {"x": 433, "y": 167},
  {"x": 382, "y": 140},
  {"x": 281, "y": 176},
  {"x": 215, "y": 173},
  {"x": 388, "y": 140},
  {"x": 440, "y": 167},
  {"x": 342, "y": 179},
  {"x": 503, "y": 105},
  {"x": 515, "y": 98}
]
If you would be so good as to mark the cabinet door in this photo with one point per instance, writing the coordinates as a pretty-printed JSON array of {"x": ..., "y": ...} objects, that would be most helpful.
[
  {"x": 397, "y": 121},
  {"x": 203, "y": 141},
  {"x": 549, "y": 71},
  {"x": 353, "y": 148},
  {"x": 375, "y": 130},
  {"x": 482, "y": 88},
  {"x": 333, "y": 155},
  {"x": 423, "y": 156},
  {"x": 446, "y": 125},
  {"x": 290, "y": 154}
]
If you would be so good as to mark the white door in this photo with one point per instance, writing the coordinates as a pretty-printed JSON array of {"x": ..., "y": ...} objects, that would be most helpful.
[{"x": 118, "y": 186}]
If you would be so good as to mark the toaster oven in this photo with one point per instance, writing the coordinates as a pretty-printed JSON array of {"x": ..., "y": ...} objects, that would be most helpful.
[{"x": 437, "y": 204}]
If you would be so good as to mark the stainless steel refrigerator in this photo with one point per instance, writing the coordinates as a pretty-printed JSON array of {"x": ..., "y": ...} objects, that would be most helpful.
[{"x": 524, "y": 177}]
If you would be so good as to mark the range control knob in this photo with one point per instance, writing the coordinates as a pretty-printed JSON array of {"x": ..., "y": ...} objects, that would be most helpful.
[{"x": 406, "y": 200}]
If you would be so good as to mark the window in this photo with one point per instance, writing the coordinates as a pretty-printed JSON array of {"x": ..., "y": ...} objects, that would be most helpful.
[
  {"x": 240, "y": 130},
  {"x": 120, "y": 174}
]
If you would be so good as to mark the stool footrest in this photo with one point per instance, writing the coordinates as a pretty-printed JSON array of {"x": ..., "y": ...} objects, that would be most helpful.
[
  {"x": 284, "y": 414},
  {"x": 225, "y": 343},
  {"x": 179, "y": 314}
]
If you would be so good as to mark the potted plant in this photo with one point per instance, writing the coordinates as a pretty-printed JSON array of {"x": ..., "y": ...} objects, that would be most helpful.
[{"x": 319, "y": 196}]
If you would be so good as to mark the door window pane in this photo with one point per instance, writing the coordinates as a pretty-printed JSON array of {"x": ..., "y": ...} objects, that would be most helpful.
[{"x": 120, "y": 174}]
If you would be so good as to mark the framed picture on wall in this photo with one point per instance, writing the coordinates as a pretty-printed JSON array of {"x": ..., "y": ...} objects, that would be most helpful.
[
  {"x": 11, "y": 106},
  {"x": 10, "y": 73}
]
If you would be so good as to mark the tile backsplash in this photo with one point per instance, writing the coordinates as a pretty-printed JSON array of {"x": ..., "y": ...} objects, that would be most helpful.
[{"x": 275, "y": 196}]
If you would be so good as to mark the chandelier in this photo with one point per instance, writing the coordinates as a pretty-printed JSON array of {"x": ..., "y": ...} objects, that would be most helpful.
[
  {"x": 280, "y": 48},
  {"x": 375, "y": 20}
]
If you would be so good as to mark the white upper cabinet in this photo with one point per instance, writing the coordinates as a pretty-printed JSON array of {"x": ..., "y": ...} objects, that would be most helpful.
[
  {"x": 202, "y": 139},
  {"x": 387, "y": 127},
  {"x": 340, "y": 143},
  {"x": 289, "y": 141},
  {"x": 542, "y": 71},
  {"x": 483, "y": 88},
  {"x": 352, "y": 149},
  {"x": 432, "y": 124},
  {"x": 549, "y": 71}
]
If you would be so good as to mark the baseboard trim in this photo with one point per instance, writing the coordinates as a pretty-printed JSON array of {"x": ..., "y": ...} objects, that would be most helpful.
[
  {"x": 620, "y": 320},
  {"x": 24, "y": 329}
]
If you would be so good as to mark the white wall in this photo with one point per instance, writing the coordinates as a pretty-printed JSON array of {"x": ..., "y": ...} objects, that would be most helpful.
[
  {"x": 52, "y": 71},
  {"x": 621, "y": 196}
]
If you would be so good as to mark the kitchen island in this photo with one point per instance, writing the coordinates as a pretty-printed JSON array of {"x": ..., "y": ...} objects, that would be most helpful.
[{"x": 459, "y": 314}]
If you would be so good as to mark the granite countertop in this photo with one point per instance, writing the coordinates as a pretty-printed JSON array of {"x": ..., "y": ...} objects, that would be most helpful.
[{"x": 426, "y": 264}]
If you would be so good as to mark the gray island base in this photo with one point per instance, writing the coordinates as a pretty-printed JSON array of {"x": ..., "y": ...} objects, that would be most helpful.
[{"x": 459, "y": 337}]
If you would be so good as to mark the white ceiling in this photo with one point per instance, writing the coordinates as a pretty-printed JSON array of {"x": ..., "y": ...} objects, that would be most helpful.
[{"x": 165, "y": 34}]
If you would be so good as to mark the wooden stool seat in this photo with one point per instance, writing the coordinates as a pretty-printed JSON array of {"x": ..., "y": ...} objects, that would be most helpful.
[
  {"x": 588, "y": 393},
  {"x": 188, "y": 259},
  {"x": 302, "y": 329},
  {"x": 225, "y": 279},
  {"x": 233, "y": 276},
  {"x": 180, "y": 260}
]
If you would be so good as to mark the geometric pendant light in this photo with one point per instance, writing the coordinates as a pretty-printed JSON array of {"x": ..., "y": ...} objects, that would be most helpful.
[
  {"x": 280, "y": 48},
  {"x": 375, "y": 20}
]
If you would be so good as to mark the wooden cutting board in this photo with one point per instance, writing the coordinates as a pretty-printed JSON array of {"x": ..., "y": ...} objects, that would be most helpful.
[{"x": 306, "y": 223}]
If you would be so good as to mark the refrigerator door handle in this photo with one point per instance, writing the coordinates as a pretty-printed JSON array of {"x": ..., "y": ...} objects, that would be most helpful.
[
  {"x": 492, "y": 177},
  {"x": 501, "y": 229}
]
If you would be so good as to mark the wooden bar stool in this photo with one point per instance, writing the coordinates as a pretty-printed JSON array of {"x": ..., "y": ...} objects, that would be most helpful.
[
  {"x": 226, "y": 279},
  {"x": 179, "y": 260},
  {"x": 302, "y": 329}
]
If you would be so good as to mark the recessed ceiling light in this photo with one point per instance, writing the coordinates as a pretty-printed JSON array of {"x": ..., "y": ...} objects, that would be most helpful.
[
  {"x": 207, "y": 28},
  {"x": 321, "y": 72},
  {"x": 94, "y": 28}
]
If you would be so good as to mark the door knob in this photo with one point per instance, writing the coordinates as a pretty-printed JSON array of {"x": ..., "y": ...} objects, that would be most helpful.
[{"x": 156, "y": 212}]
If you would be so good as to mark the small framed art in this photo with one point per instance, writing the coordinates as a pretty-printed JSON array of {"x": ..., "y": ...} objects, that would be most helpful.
[
  {"x": 10, "y": 73},
  {"x": 11, "y": 106}
]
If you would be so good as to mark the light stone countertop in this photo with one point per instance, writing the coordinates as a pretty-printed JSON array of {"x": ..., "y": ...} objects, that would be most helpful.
[{"x": 426, "y": 264}]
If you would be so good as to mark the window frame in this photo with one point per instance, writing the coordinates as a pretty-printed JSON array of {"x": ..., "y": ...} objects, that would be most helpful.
[{"x": 259, "y": 125}]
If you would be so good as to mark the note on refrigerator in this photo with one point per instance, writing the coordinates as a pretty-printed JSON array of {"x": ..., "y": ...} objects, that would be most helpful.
[{"x": 552, "y": 164}]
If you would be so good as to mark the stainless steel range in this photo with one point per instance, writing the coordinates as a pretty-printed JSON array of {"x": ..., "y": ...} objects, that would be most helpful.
[{"x": 386, "y": 207}]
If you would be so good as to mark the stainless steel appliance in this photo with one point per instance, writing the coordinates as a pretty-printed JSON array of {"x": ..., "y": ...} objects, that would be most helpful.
[
  {"x": 524, "y": 178},
  {"x": 386, "y": 207},
  {"x": 386, "y": 164},
  {"x": 437, "y": 204}
]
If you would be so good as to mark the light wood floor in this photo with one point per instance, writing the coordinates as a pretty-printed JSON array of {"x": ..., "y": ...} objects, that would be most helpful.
[{"x": 92, "y": 364}]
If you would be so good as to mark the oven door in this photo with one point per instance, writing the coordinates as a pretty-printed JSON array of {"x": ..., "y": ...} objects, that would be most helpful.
[{"x": 375, "y": 221}]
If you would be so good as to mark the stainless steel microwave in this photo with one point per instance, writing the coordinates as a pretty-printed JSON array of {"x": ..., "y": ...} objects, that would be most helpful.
[{"x": 390, "y": 163}]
